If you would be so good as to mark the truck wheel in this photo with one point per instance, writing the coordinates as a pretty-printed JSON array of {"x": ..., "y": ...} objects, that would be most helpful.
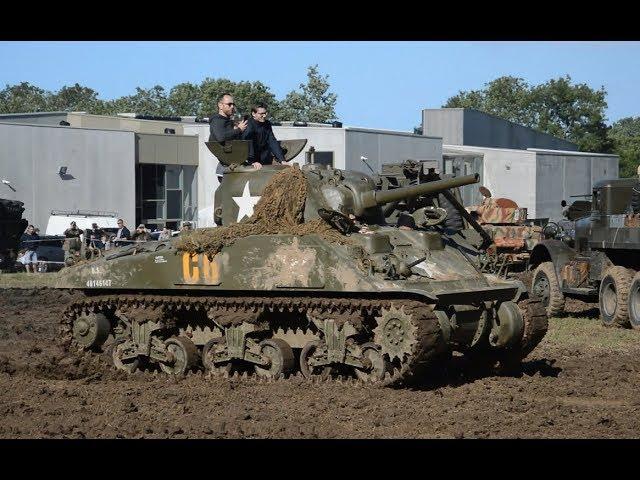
[
  {"x": 545, "y": 286},
  {"x": 634, "y": 302},
  {"x": 614, "y": 296}
]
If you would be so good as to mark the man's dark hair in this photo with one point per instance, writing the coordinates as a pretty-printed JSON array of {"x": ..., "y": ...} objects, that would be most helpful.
[
  {"x": 31, "y": 226},
  {"x": 256, "y": 106},
  {"x": 120, "y": 220},
  {"x": 222, "y": 95}
]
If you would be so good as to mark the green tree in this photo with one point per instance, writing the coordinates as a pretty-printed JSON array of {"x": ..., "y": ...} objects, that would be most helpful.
[
  {"x": 574, "y": 112},
  {"x": 505, "y": 97},
  {"x": 76, "y": 98},
  {"x": 185, "y": 99},
  {"x": 145, "y": 102},
  {"x": 313, "y": 103},
  {"x": 625, "y": 136},
  {"x": 24, "y": 98}
]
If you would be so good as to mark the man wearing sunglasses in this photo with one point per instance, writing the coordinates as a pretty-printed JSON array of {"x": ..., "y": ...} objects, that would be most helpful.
[{"x": 222, "y": 127}]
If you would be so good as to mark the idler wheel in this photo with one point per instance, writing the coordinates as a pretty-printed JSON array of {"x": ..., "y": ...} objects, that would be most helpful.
[
  {"x": 118, "y": 351},
  {"x": 207, "y": 358},
  {"x": 91, "y": 330},
  {"x": 311, "y": 349},
  {"x": 280, "y": 355},
  {"x": 377, "y": 365},
  {"x": 183, "y": 356}
]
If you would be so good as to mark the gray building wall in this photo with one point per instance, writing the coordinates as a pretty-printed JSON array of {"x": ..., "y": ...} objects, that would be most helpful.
[
  {"x": 100, "y": 175},
  {"x": 562, "y": 175},
  {"x": 387, "y": 147},
  {"x": 465, "y": 126},
  {"x": 323, "y": 139}
]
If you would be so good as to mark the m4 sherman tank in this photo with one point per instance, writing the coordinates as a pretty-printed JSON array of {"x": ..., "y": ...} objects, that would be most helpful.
[{"x": 303, "y": 276}]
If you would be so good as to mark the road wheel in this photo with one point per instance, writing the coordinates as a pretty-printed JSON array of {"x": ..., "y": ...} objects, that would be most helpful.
[
  {"x": 614, "y": 295},
  {"x": 281, "y": 356},
  {"x": 184, "y": 353},
  {"x": 117, "y": 351},
  {"x": 634, "y": 302},
  {"x": 377, "y": 364},
  {"x": 311, "y": 349},
  {"x": 218, "y": 369},
  {"x": 545, "y": 286}
]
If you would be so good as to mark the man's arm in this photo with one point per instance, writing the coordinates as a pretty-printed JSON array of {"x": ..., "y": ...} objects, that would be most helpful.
[{"x": 274, "y": 146}]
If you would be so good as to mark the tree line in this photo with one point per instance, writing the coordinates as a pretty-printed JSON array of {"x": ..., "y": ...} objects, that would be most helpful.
[{"x": 311, "y": 102}]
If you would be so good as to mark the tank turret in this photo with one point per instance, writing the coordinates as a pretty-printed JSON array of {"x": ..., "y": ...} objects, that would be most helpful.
[{"x": 344, "y": 191}]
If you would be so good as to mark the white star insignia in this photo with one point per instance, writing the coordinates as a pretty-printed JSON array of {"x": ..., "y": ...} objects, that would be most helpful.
[{"x": 245, "y": 203}]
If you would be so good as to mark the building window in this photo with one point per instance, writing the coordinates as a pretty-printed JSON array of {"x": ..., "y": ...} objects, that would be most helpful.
[
  {"x": 323, "y": 158},
  {"x": 166, "y": 195}
]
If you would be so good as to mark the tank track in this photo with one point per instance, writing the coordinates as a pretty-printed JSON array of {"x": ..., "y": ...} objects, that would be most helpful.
[{"x": 235, "y": 310}]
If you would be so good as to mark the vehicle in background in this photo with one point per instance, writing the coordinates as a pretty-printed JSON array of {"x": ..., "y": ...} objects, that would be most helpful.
[
  {"x": 513, "y": 236},
  {"x": 60, "y": 219},
  {"x": 58, "y": 252},
  {"x": 601, "y": 260},
  {"x": 12, "y": 225}
]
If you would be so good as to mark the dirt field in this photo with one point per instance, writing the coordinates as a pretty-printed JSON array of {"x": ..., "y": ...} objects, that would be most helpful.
[{"x": 582, "y": 382}]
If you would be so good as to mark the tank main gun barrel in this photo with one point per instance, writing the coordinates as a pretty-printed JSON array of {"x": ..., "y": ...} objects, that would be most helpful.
[{"x": 381, "y": 197}]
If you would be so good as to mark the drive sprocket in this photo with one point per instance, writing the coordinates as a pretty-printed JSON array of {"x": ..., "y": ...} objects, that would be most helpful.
[{"x": 396, "y": 333}]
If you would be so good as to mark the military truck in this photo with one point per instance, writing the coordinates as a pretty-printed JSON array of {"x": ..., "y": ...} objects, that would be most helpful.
[{"x": 601, "y": 261}]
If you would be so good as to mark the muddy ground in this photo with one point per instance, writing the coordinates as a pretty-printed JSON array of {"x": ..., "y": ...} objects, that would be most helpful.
[{"x": 582, "y": 382}]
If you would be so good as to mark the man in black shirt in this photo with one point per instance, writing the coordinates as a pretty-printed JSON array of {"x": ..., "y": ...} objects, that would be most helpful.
[
  {"x": 221, "y": 126},
  {"x": 265, "y": 147}
]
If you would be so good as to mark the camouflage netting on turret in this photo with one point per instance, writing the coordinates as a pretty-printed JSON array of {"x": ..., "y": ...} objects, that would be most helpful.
[{"x": 280, "y": 210}]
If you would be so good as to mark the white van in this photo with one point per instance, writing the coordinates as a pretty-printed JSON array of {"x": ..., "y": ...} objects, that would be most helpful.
[{"x": 60, "y": 220}]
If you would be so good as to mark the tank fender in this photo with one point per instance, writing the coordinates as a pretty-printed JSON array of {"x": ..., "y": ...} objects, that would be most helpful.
[{"x": 553, "y": 251}]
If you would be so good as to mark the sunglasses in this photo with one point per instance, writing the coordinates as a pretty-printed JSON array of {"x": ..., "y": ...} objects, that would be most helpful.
[{"x": 230, "y": 104}]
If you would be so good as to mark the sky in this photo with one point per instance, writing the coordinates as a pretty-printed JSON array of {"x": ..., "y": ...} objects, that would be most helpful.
[{"x": 381, "y": 85}]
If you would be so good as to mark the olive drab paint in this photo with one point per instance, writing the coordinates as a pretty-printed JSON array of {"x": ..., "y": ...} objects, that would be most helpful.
[{"x": 383, "y": 304}]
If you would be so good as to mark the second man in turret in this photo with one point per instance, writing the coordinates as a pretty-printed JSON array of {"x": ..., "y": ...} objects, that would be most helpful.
[{"x": 265, "y": 147}]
